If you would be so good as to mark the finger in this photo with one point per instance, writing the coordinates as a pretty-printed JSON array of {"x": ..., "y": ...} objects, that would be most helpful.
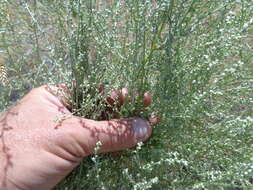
[
  {"x": 114, "y": 135},
  {"x": 124, "y": 93},
  {"x": 101, "y": 88},
  {"x": 123, "y": 96},
  {"x": 66, "y": 90},
  {"x": 115, "y": 95},
  {"x": 123, "y": 134},
  {"x": 112, "y": 98},
  {"x": 147, "y": 99},
  {"x": 62, "y": 92},
  {"x": 116, "y": 98}
]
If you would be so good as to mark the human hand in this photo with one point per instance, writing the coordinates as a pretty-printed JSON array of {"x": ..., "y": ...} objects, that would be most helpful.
[{"x": 42, "y": 142}]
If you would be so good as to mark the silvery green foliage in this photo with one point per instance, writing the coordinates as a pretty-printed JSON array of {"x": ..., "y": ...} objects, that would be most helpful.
[{"x": 194, "y": 56}]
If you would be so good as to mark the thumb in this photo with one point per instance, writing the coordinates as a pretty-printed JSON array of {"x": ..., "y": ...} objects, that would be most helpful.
[{"x": 114, "y": 135}]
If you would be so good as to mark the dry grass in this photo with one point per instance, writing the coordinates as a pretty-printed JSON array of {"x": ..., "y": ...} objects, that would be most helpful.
[{"x": 3, "y": 73}]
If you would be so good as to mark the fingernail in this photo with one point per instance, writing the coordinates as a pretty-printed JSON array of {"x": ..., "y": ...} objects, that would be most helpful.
[{"x": 140, "y": 128}]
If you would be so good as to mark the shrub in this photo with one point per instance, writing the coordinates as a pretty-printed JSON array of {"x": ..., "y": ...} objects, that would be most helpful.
[{"x": 194, "y": 56}]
